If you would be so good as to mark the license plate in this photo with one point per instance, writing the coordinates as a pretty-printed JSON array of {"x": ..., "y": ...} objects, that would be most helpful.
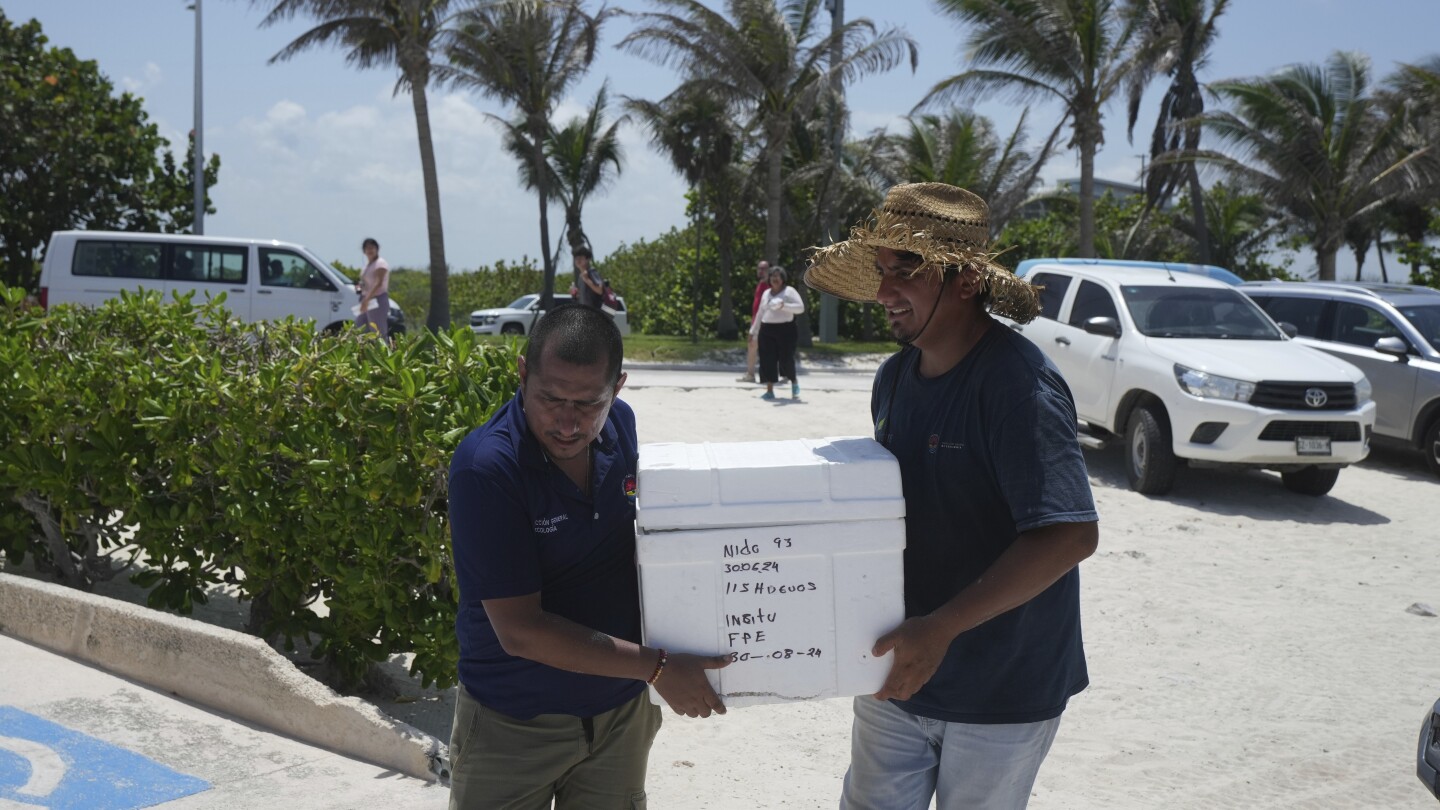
[{"x": 1312, "y": 445}]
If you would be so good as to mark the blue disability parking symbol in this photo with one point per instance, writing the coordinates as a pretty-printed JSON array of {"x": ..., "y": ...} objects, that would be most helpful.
[{"x": 47, "y": 765}]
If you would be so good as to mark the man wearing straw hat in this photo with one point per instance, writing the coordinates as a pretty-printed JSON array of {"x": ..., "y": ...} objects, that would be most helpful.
[{"x": 998, "y": 513}]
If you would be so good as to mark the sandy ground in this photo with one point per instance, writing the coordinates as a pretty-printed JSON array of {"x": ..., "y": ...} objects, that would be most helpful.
[{"x": 1248, "y": 647}]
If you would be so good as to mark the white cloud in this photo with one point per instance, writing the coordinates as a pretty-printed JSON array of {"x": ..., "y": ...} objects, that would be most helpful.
[{"x": 151, "y": 76}]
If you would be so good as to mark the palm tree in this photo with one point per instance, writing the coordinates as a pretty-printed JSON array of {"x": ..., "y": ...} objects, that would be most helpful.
[
  {"x": 585, "y": 156},
  {"x": 527, "y": 54},
  {"x": 962, "y": 149},
  {"x": 1238, "y": 226},
  {"x": 1076, "y": 52},
  {"x": 388, "y": 33},
  {"x": 1316, "y": 144},
  {"x": 766, "y": 61},
  {"x": 1414, "y": 91},
  {"x": 1175, "y": 39},
  {"x": 695, "y": 130}
]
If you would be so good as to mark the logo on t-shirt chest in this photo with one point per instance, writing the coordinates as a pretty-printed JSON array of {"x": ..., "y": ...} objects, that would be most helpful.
[{"x": 549, "y": 525}]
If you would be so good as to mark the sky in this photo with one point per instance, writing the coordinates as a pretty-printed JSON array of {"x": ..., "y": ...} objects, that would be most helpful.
[{"x": 316, "y": 152}]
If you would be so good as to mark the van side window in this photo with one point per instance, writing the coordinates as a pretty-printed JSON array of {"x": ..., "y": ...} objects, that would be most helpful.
[
  {"x": 116, "y": 259},
  {"x": 1359, "y": 325},
  {"x": 286, "y": 268},
  {"x": 1092, "y": 301},
  {"x": 219, "y": 265},
  {"x": 1052, "y": 294},
  {"x": 1303, "y": 312}
]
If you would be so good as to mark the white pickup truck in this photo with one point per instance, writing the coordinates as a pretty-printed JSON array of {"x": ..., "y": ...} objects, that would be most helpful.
[{"x": 1186, "y": 369}]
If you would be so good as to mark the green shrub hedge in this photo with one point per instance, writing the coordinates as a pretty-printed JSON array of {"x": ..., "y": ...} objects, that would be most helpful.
[{"x": 166, "y": 442}]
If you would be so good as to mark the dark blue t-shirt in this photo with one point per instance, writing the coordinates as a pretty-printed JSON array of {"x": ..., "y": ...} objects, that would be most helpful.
[
  {"x": 988, "y": 450},
  {"x": 519, "y": 526}
]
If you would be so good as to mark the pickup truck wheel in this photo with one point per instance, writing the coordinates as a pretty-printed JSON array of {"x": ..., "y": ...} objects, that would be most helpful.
[
  {"x": 1310, "y": 480},
  {"x": 1432, "y": 446},
  {"x": 1150, "y": 461},
  {"x": 512, "y": 329}
]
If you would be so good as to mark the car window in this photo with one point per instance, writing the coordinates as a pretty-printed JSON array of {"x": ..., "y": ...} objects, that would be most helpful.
[
  {"x": 1197, "y": 312},
  {"x": 116, "y": 259},
  {"x": 1092, "y": 301},
  {"x": 286, "y": 268},
  {"x": 523, "y": 302},
  {"x": 1359, "y": 325},
  {"x": 1426, "y": 320},
  {"x": 1053, "y": 287},
  {"x": 219, "y": 265},
  {"x": 1304, "y": 313}
]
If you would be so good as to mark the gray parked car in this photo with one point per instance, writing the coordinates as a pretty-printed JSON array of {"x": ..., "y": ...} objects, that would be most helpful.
[{"x": 1390, "y": 331}]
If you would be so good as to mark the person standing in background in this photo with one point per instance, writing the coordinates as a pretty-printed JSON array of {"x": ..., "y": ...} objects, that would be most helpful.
[
  {"x": 374, "y": 286},
  {"x": 778, "y": 307},
  {"x": 589, "y": 284},
  {"x": 752, "y": 344}
]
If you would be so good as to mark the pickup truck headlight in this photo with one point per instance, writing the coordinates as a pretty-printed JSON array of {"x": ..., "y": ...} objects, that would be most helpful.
[
  {"x": 483, "y": 320},
  {"x": 1211, "y": 386},
  {"x": 1363, "y": 391}
]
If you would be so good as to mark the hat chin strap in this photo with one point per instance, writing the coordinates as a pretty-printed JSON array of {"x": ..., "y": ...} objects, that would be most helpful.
[{"x": 910, "y": 341}]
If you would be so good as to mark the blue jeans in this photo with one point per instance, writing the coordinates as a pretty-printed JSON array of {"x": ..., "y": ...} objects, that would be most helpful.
[{"x": 899, "y": 760}]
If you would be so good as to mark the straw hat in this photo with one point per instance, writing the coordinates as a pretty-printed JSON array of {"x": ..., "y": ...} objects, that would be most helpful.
[{"x": 945, "y": 225}]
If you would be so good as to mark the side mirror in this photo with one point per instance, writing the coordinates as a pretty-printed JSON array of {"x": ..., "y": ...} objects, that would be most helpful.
[
  {"x": 1288, "y": 328},
  {"x": 1395, "y": 347},
  {"x": 1102, "y": 325}
]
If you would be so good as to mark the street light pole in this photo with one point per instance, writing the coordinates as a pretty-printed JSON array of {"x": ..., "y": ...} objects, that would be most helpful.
[
  {"x": 829, "y": 305},
  {"x": 198, "y": 168}
]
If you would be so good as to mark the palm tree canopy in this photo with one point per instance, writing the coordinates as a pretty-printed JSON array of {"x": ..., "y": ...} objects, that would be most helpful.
[
  {"x": 1313, "y": 141},
  {"x": 1174, "y": 39},
  {"x": 1075, "y": 52},
  {"x": 374, "y": 33},
  {"x": 767, "y": 60},
  {"x": 963, "y": 149}
]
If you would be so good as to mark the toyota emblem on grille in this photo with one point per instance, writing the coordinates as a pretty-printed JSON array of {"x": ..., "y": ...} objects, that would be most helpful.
[{"x": 1316, "y": 397}]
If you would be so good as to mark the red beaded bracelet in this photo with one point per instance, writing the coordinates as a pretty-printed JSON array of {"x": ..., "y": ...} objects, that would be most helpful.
[{"x": 659, "y": 666}]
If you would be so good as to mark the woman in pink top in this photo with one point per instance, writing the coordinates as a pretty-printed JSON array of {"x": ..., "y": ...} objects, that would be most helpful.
[{"x": 374, "y": 286}]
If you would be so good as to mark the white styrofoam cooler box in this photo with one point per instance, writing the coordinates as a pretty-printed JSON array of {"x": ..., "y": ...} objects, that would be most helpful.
[{"x": 785, "y": 555}]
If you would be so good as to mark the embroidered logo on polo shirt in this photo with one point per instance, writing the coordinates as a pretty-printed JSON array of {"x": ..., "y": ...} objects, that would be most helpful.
[
  {"x": 547, "y": 525},
  {"x": 934, "y": 443},
  {"x": 630, "y": 488}
]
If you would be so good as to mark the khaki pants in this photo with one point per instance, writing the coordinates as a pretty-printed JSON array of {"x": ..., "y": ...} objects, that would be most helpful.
[{"x": 499, "y": 762}]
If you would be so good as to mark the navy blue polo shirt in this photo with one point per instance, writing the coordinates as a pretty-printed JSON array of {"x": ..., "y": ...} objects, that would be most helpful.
[
  {"x": 519, "y": 526},
  {"x": 988, "y": 450}
]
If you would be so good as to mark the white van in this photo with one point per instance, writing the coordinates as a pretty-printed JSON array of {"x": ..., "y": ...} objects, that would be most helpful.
[{"x": 262, "y": 279}]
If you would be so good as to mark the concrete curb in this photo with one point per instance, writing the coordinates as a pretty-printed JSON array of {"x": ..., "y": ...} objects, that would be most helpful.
[{"x": 215, "y": 667}]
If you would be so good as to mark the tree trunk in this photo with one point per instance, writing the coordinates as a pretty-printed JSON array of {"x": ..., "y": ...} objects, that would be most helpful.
[
  {"x": 537, "y": 158},
  {"x": 439, "y": 317},
  {"x": 1197, "y": 205},
  {"x": 774, "y": 151},
  {"x": 1325, "y": 257},
  {"x": 1380, "y": 251},
  {"x": 1086, "y": 142},
  {"x": 725, "y": 246}
]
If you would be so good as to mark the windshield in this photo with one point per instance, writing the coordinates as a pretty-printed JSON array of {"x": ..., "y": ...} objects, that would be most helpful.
[
  {"x": 523, "y": 302},
  {"x": 1426, "y": 320},
  {"x": 1197, "y": 312}
]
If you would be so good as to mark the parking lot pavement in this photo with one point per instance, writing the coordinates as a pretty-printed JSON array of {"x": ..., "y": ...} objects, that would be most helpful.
[
  {"x": 75, "y": 736},
  {"x": 680, "y": 377}
]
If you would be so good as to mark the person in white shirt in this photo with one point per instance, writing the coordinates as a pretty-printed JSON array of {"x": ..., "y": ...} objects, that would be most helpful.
[
  {"x": 778, "y": 308},
  {"x": 374, "y": 286}
]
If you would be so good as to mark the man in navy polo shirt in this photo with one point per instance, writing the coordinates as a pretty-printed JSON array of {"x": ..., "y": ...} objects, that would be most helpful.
[
  {"x": 551, "y": 704},
  {"x": 998, "y": 514}
]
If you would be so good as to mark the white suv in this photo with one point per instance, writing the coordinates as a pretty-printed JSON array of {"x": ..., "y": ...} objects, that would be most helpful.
[
  {"x": 1187, "y": 369},
  {"x": 520, "y": 316}
]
